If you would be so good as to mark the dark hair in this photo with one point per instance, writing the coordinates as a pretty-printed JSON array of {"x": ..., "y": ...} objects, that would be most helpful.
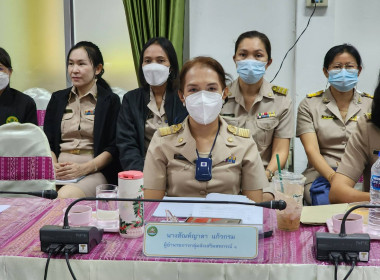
[
  {"x": 375, "y": 116},
  {"x": 168, "y": 48},
  {"x": 5, "y": 59},
  {"x": 334, "y": 51},
  {"x": 96, "y": 58},
  {"x": 205, "y": 61},
  {"x": 255, "y": 34}
]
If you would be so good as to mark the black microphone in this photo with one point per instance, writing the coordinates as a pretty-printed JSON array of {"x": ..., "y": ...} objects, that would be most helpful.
[
  {"x": 50, "y": 194},
  {"x": 52, "y": 234},
  {"x": 273, "y": 204}
]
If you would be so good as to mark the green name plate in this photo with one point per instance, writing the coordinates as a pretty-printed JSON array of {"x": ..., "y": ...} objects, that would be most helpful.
[{"x": 201, "y": 240}]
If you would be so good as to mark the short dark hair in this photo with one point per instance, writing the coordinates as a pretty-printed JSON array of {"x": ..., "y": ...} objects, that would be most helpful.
[
  {"x": 255, "y": 34},
  {"x": 5, "y": 59},
  {"x": 375, "y": 115},
  {"x": 334, "y": 51},
  {"x": 206, "y": 62},
  {"x": 168, "y": 48},
  {"x": 95, "y": 56}
]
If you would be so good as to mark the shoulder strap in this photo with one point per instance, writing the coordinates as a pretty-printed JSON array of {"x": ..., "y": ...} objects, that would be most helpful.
[
  {"x": 314, "y": 94},
  {"x": 280, "y": 90}
]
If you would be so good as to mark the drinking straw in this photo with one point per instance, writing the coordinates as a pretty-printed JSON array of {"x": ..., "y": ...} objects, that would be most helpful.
[{"x": 279, "y": 172}]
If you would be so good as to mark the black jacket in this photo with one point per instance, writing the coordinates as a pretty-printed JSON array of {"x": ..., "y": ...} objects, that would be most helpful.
[
  {"x": 131, "y": 124},
  {"x": 17, "y": 106},
  {"x": 106, "y": 112}
]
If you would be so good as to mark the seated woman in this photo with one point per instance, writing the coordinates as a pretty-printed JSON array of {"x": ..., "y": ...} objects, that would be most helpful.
[
  {"x": 361, "y": 153},
  {"x": 203, "y": 154},
  {"x": 256, "y": 104},
  {"x": 327, "y": 118},
  {"x": 14, "y": 105},
  {"x": 155, "y": 104},
  {"x": 80, "y": 124}
]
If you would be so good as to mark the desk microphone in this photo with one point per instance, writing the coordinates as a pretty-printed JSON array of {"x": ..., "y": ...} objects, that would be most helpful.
[
  {"x": 50, "y": 194},
  {"x": 88, "y": 237},
  {"x": 273, "y": 204}
]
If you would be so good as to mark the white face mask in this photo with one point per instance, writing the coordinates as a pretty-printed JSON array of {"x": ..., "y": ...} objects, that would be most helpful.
[
  {"x": 4, "y": 80},
  {"x": 155, "y": 74},
  {"x": 204, "y": 106}
]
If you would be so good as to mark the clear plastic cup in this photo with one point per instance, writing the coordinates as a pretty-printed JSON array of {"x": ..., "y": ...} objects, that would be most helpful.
[
  {"x": 107, "y": 212},
  {"x": 289, "y": 187}
]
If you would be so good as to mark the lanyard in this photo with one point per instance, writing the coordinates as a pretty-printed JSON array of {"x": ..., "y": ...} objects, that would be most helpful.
[{"x": 213, "y": 144}]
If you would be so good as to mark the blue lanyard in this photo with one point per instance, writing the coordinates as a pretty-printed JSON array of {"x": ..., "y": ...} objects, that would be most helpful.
[{"x": 213, "y": 144}]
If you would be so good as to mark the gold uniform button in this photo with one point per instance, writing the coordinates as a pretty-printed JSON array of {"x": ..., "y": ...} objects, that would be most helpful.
[
  {"x": 202, "y": 193},
  {"x": 230, "y": 139},
  {"x": 269, "y": 94},
  {"x": 180, "y": 140}
]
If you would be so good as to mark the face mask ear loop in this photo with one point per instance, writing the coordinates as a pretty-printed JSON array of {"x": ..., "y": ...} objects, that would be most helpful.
[{"x": 327, "y": 84}]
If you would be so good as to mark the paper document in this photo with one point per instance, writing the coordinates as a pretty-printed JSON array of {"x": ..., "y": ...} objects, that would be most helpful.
[
  {"x": 318, "y": 215},
  {"x": 248, "y": 214},
  {"x": 180, "y": 210},
  {"x": 4, "y": 207},
  {"x": 64, "y": 182}
]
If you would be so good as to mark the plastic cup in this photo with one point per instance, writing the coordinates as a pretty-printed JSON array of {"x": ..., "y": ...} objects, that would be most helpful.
[
  {"x": 79, "y": 215},
  {"x": 107, "y": 212},
  {"x": 289, "y": 187}
]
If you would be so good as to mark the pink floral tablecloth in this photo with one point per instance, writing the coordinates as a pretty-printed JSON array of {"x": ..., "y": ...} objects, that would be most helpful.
[{"x": 20, "y": 225}]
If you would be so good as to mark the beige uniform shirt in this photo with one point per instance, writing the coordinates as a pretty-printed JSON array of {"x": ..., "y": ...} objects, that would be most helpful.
[
  {"x": 319, "y": 113},
  {"x": 170, "y": 163},
  {"x": 77, "y": 126},
  {"x": 156, "y": 119},
  {"x": 361, "y": 152},
  {"x": 271, "y": 115}
]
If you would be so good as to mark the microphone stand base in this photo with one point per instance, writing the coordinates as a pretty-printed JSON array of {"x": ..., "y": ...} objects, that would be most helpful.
[{"x": 84, "y": 238}]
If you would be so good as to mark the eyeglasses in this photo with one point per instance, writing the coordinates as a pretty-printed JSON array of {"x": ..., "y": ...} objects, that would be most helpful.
[{"x": 349, "y": 67}]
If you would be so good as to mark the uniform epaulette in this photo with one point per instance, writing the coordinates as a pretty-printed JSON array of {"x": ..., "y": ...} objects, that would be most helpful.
[
  {"x": 238, "y": 131},
  {"x": 367, "y": 95},
  {"x": 314, "y": 94},
  {"x": 280, "y": 90},
  {"x": 168, "y": 130},
  {"x": 368, "y": 116}
]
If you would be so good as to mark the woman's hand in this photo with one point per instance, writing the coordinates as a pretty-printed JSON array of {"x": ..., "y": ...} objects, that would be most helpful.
[{"x": 70, "y": 170}]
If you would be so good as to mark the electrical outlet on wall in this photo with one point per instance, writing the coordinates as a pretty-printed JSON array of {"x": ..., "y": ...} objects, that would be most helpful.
[{"x": 320, "y": 3}]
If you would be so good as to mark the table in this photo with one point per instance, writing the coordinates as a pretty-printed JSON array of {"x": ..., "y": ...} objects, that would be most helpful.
[{"x": 287, "y": 255}]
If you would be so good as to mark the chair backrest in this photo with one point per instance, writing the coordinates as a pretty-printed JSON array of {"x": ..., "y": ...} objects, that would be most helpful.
[
  {"x": 41, "y": 97},
  {"x": 25, "y": 158},
  {"x": 119, "y": 91}
]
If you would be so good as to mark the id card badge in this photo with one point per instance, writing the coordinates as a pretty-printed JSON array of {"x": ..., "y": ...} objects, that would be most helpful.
[{"x": 203, "y": 169}]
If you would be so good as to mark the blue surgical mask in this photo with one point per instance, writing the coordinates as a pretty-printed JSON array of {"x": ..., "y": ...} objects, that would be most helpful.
[
  {"x": 250, "y": 70},
  {"x": 343, "y": 80}
]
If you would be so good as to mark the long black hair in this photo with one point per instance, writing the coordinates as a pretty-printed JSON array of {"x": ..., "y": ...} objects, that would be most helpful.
[
  {"x": 5, "y": 59},
  {"x": 167, "y": 46},
  {"x": 375, "y": 116},
  {"x": 96, "y": 58}
]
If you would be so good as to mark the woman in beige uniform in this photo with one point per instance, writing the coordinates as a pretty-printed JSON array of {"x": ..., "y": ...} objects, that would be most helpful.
[
  {"x": 203, "y": 154},
  {"x": 326, "y": 119},
  {"x": 80, "y": 124},
  {"x": 361, "y": 153},
  {"x": 256, "y": 104}
]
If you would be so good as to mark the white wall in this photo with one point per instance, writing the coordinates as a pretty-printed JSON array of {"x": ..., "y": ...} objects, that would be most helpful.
[
  {"x": 104, "y": 23},
  {"x": 216, "y": 24}
]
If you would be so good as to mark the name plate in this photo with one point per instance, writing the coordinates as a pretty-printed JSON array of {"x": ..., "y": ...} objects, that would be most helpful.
[{"x": 201, "y": 240}]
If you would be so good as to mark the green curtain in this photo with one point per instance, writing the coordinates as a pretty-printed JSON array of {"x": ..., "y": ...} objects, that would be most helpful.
[{"x": 153, "y": 18}]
